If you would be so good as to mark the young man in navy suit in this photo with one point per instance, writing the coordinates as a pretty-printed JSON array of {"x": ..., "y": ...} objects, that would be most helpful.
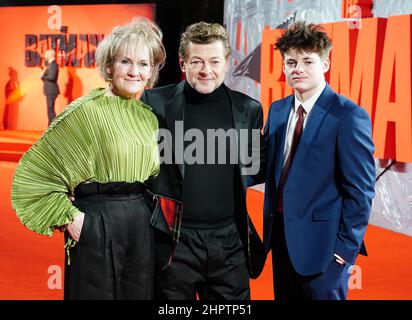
[{"x": 319, "y": 175}]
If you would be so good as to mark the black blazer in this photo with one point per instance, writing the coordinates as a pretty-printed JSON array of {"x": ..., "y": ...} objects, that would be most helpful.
[
  {"x": 168, "y": 104},
  {"x": 49, "y": 77}
]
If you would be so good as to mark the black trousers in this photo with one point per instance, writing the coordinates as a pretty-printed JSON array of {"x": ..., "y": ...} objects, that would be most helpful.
[
  {"x": 208, "y": 264},
  {"x": 114, "y": 258},
  {"x": 51, "y": 114},
  {"x": 291, "y": 286}
]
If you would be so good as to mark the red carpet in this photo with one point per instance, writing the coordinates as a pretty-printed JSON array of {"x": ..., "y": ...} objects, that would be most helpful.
[
  {"x": 384, "y": 275},
  {"x": 26, "y": 257},
  {"x": 13, "y": 143}
]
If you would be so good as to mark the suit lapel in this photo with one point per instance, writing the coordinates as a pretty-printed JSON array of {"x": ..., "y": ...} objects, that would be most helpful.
[
  {"x": 239, "y": 122},
  {"x": 239, "y": 118},
  {"x": 318, "y": 113},
  {"x": 174, "y": 113},
  {"x": 280, "y": 135}
]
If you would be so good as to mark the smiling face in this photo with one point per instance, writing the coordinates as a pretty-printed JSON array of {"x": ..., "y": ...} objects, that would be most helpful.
[
  {"x": 205, "y": 66},
  {"x": 130, "y": 72},
  {"x": 305, "y": 72}
]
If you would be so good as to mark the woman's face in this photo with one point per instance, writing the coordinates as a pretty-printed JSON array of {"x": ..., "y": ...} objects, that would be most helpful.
[{"x": 130, "y": 72}]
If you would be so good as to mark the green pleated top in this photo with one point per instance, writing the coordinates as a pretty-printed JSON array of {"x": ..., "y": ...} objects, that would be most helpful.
[{"x": 96, "y": 138}]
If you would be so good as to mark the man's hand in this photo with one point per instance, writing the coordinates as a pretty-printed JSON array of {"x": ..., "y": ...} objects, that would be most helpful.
[{"x": 75, "y": 228}]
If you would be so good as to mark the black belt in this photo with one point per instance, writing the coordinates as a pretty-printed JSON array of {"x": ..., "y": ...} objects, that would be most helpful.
[{"x": 118, "y": 188}]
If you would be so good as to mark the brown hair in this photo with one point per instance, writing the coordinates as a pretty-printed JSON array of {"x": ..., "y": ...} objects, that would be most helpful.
[
  {"x": 139, "y": 31},
  {"x": 305, "y": 37},
  {"x": 203, "y": 33}
]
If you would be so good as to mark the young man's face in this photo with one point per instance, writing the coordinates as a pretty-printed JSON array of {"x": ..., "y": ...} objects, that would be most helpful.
[
  {"x": 305, "y": 71},
  {"x": 205, "y": 66}
]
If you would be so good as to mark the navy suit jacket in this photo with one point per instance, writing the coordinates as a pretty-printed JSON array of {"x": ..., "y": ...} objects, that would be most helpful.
[{"x": 328, "y": 193}]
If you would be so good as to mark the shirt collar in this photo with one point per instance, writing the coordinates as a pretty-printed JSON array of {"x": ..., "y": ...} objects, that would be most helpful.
[{"x": 309, "y": 103}]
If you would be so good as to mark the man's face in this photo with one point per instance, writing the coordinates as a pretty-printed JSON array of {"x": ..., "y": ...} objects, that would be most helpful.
[
  {"x": 205, "y": 66},
  {"x": 305, "y": 71}
]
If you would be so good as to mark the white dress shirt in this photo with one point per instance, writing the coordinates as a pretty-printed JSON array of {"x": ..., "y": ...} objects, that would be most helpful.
[{"x": 293, "y": 118}]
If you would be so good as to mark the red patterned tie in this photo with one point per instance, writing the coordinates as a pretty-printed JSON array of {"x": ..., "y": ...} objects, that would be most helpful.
[{"x": 285, "y": 171}]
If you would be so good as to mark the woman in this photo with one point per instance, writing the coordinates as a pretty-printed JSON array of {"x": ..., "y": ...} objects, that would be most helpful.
[{"x": 100, "y": 150}]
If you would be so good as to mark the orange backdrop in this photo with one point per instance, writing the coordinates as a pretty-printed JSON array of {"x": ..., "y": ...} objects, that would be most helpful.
[
  {"x": 370, "y": 65},
  {"x": 28, "y": 109}
]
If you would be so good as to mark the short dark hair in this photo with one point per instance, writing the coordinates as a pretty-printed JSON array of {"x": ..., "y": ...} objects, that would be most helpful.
[
  {"x": 203, "y": 33},
  {"x": 305, "y": 37}
]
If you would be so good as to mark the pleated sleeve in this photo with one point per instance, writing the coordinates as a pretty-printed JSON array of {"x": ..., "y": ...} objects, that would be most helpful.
[{"x": 50, "y": 170}]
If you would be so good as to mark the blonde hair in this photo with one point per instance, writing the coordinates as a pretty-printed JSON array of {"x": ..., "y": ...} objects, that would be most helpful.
[
  {"x": 203, "y": 33},
  {"x": 139, "y": 31}
]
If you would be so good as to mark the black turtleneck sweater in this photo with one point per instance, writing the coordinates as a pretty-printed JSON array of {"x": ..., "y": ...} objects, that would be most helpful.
[{"x": 208, "y": 192}]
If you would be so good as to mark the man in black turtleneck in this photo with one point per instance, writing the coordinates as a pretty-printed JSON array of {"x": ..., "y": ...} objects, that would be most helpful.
[
  {"x": 206, "y": 245},
  {"x": 205, "y": 112}
]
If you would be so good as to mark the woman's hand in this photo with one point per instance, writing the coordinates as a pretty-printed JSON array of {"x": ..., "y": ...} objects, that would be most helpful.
[{"x": 75, "y": 228}]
